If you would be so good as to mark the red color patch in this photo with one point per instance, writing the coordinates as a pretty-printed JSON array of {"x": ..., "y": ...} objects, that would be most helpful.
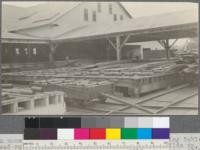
[{"x": 97, "y": 133}]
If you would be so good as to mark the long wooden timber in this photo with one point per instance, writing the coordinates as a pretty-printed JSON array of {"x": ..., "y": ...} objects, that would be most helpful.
[
  {"x": 175, "y": 102},
  {"x": 126, "y": 105},
  {"x": 136, "y": 84},
  {"x": 130, "y": 81},
  {"x": 75, "y": 90}
]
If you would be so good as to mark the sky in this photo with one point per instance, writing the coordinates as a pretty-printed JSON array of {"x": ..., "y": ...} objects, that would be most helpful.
[{"x": 137, "y": 9}]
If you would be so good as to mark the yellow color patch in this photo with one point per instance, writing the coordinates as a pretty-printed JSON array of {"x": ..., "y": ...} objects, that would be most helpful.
[{"x": 113, "y": 134}]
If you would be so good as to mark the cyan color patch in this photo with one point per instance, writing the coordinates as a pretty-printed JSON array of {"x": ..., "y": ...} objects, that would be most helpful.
[{"x": 144, "y": 133}]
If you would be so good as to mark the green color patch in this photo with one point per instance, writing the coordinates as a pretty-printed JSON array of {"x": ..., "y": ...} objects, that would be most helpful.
[{"x": 128, "y": 133}]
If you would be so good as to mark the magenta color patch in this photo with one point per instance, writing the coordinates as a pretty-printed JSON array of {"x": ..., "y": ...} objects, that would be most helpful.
[{"x": 81, "y": 133}]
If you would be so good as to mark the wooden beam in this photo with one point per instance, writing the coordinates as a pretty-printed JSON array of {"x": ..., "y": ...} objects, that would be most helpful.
[
  {"x": 175, "y": 102},
  {"x": 125, "y": 40},
  {"x": 161, "y": 42},
  {"x": 117, "y": 99},
  {"x": 165, "y": 44},
  {"x": 112, "y": 44},
  {"x": 170, "y": 46},
  {"x": 175, "y": 107},
  {"x": 119, "y": 109},
  {"x": 116, "y": 46},
  {"x": 162, "y": 93}
]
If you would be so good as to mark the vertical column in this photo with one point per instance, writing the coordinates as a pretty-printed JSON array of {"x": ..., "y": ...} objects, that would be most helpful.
[
  {"x": 52, "y": 47},
  {"x": 118, "y": 49},
  {"x": 29, "y": 53},
  {"x": 167, "y": 48}
]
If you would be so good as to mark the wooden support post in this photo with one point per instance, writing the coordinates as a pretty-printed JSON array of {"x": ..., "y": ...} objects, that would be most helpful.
[
  {"x": 118, "y": 48},
  {"x": 52, "y": 47},
  {"x": 167, "y": 47},
  {"x": 29, "y": 53}
]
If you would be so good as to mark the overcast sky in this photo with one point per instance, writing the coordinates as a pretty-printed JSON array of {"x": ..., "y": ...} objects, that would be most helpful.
[{"x": 138, "y": 9}]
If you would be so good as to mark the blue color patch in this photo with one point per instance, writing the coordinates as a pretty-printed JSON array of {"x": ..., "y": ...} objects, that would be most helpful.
[{"x": 144, "y": 133}]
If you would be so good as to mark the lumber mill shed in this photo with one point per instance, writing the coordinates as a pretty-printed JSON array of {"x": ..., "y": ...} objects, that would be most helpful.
[{"x": 100, "y": 31}]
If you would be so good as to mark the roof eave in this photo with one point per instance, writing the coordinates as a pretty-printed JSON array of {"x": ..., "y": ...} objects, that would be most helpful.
[{"x": 129, "y": 15}]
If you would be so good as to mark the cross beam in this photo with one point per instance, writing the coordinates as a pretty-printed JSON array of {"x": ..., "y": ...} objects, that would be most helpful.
[
  {"x": 118, "y": 45},
  {"x": 166, "y": 44}
]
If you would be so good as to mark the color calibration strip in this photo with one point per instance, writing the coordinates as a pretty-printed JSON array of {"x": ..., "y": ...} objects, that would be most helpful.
[
  {"x": 97, "y": 128},
  {"x": 96, "y": 133}
]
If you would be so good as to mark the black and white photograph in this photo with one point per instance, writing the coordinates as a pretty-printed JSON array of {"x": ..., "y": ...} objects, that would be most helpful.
[{"x": 99, "y": 58}]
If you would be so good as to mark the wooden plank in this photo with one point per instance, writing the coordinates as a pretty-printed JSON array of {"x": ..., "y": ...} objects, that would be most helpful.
[
  {"x": 117, "y": 110},
  {"x": 125, "y": 40},
  {"x": 127, "y": 103},
  {"x": 176, "y": 107},
  {"x": 162, "y": 93},
  {"x": 177, "y": 101},
  {"x": 112, "y": 44}
]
